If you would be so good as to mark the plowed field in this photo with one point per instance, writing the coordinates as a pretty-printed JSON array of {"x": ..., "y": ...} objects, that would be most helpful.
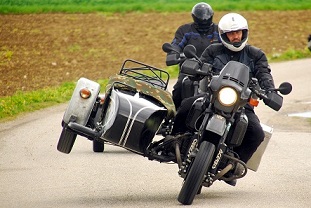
[{"x": 42, "y": 50}]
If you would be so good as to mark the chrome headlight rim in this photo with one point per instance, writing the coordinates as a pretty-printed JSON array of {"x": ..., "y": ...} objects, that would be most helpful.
[{"x": 227, "y": 96}]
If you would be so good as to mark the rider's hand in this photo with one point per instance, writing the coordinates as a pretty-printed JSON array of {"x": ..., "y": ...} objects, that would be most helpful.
[
  {"x": 172, "y": 59},
  {"x": 273, "y": 100},
  {"x": 206, "y": 68}
]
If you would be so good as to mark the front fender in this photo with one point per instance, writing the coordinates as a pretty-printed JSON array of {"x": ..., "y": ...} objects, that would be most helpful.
[
  {"x": 79, "y": 107},
  {"x": 216, "y": 124}
]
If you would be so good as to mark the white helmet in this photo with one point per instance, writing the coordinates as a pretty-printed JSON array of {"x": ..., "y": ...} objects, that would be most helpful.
[{"x": 229, "y": 23}]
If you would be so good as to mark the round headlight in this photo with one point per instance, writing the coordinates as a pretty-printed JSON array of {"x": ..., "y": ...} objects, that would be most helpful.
[{"x": 227, "y": 96}]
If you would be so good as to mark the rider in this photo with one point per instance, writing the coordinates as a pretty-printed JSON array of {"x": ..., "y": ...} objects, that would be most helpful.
[
  {"x": 201, "y": 33},
  {"x": 233, "y": 30}
]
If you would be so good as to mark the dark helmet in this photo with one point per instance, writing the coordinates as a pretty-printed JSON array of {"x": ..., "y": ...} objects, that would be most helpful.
[{"x": 202, "y": 14}]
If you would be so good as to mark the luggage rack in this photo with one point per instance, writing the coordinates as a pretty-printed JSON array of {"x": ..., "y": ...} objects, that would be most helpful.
[{"x": 141, "y": 71}]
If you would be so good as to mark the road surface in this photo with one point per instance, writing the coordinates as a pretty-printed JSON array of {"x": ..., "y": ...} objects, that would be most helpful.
[{"x": 34, "y": 174}]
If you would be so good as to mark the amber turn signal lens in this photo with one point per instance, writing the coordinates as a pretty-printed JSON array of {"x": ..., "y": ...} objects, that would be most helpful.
[
  {"x": 253, "y": 102},
  {"x": 85, "y": 93},
  {"x": 102, "y": 99}
]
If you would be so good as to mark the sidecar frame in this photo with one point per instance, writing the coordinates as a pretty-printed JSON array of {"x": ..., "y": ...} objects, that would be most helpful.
[{"x": 158, "y": 77}]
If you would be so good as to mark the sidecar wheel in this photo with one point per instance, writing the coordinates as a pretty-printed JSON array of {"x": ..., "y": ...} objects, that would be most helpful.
[
  {"x": 98, "y": 146},
  {"x": 193, "y": 181},
  {"x": 66, "y": 140}
]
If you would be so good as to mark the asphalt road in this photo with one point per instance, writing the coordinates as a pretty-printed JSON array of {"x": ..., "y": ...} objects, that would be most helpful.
[{"x": 34, "y": 174}]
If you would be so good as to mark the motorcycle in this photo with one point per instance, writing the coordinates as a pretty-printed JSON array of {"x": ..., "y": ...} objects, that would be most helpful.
[{"x": 137, "y": 102}]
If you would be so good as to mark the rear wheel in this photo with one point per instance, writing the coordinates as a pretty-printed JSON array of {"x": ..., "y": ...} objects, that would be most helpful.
[
  {"x": 98, "y": 146},
  {"x": 66, "y": 140},
  {"x": 194, "y": 178}
]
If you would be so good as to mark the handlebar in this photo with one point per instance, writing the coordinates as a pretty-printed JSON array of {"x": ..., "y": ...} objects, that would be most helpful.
[
  {"x": 256, "y": 89},
  {"x": 285, "y": 88},
  {"x": 270, "y": 96}
]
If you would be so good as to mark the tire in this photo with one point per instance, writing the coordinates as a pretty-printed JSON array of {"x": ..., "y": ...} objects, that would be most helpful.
[
  {"x": 98, "y": 146},
  {"x": 66, "y": 140},
  {"x": 193, "y": 181}
]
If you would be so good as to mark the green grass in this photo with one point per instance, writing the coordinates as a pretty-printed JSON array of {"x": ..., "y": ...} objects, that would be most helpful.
[
  {"x": 290, "y": 54},
  {"x": 21, "y": 102},
  {"x": 11, "y": 106},
  {"x": 87, "y": 6}
]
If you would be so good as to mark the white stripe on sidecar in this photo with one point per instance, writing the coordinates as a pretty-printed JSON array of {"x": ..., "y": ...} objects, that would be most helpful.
[
  {"x": 132, "y": 123},
  {"x": 127, "y": 122}
]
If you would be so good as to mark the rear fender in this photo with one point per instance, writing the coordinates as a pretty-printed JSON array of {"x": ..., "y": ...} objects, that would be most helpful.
[{"x": 79, "y": 107}]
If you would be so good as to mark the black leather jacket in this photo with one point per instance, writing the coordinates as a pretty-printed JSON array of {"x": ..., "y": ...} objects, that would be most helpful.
[
  {"x": 189, "y": 34},
  {"x": 218, "y": 55}
]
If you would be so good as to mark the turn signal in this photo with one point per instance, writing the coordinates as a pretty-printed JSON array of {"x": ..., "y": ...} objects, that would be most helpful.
[
  {"x": 253, "y": 102},
  {"x": 102, "y": 99},
  {"x": 85, "y": 93}
]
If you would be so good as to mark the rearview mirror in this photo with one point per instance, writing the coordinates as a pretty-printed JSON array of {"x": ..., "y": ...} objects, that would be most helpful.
[
  {"x": 190, "y": 51},
  {"x": 285, "y": 88},
  {"x": 167, "y": 47}
]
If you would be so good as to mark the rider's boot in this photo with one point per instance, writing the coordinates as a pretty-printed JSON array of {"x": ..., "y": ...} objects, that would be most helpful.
[
  {"x": 239, "y": 169},
  {"x": 232, "y": 182}
]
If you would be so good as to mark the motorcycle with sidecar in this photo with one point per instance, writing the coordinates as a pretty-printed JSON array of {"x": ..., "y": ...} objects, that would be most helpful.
[{"x": 136, "y": 102}]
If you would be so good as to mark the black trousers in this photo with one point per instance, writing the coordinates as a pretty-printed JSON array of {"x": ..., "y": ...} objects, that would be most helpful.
[
  {"x": 253, "y": 137},
  {"x": 177, "y": 90}
]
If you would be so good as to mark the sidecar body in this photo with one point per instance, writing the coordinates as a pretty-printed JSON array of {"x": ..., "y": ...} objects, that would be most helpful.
[
  {"x": 130, "y": 120},
  {"x": 136, "y": 103}
]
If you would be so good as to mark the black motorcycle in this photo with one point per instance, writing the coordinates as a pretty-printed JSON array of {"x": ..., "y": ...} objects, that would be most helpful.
[
  {"x": 219, "y": 122},
  {"x": 136, "y": 103}
]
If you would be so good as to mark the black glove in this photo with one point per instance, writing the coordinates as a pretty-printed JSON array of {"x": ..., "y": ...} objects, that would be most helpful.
[
  {"x": 309, "y": 42},
  {"x": 207, "y": 68},
  {"x": 273, "y": 100},
  {"x": 172, "y": 59}
]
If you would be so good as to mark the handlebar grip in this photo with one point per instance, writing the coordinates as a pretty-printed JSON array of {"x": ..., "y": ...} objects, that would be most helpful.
[
  {"x": 172, "y": 59},
  {"x": 273, "y": 100}
]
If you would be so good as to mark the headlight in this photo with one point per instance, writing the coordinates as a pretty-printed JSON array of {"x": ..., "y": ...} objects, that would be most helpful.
[{"x": 227, "y": 96}]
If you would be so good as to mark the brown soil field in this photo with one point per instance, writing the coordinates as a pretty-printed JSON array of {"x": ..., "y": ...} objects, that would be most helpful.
[{"x": 42, "y": 50}]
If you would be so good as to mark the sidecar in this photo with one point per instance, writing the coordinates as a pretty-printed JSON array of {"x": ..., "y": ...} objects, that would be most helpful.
[{"x": 129, "y": 115}]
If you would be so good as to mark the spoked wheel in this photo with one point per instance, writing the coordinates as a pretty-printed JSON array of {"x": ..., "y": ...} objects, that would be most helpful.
[
  {"x": 66, "y": 140},
  {"x": 98, "y": 146},
  {"x": 193, "y": 181}
]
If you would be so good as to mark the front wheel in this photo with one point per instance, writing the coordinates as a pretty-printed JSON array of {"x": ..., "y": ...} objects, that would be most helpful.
[
  {"x": 66, "y": 140},
  {"x": 193, "y": 181}
]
